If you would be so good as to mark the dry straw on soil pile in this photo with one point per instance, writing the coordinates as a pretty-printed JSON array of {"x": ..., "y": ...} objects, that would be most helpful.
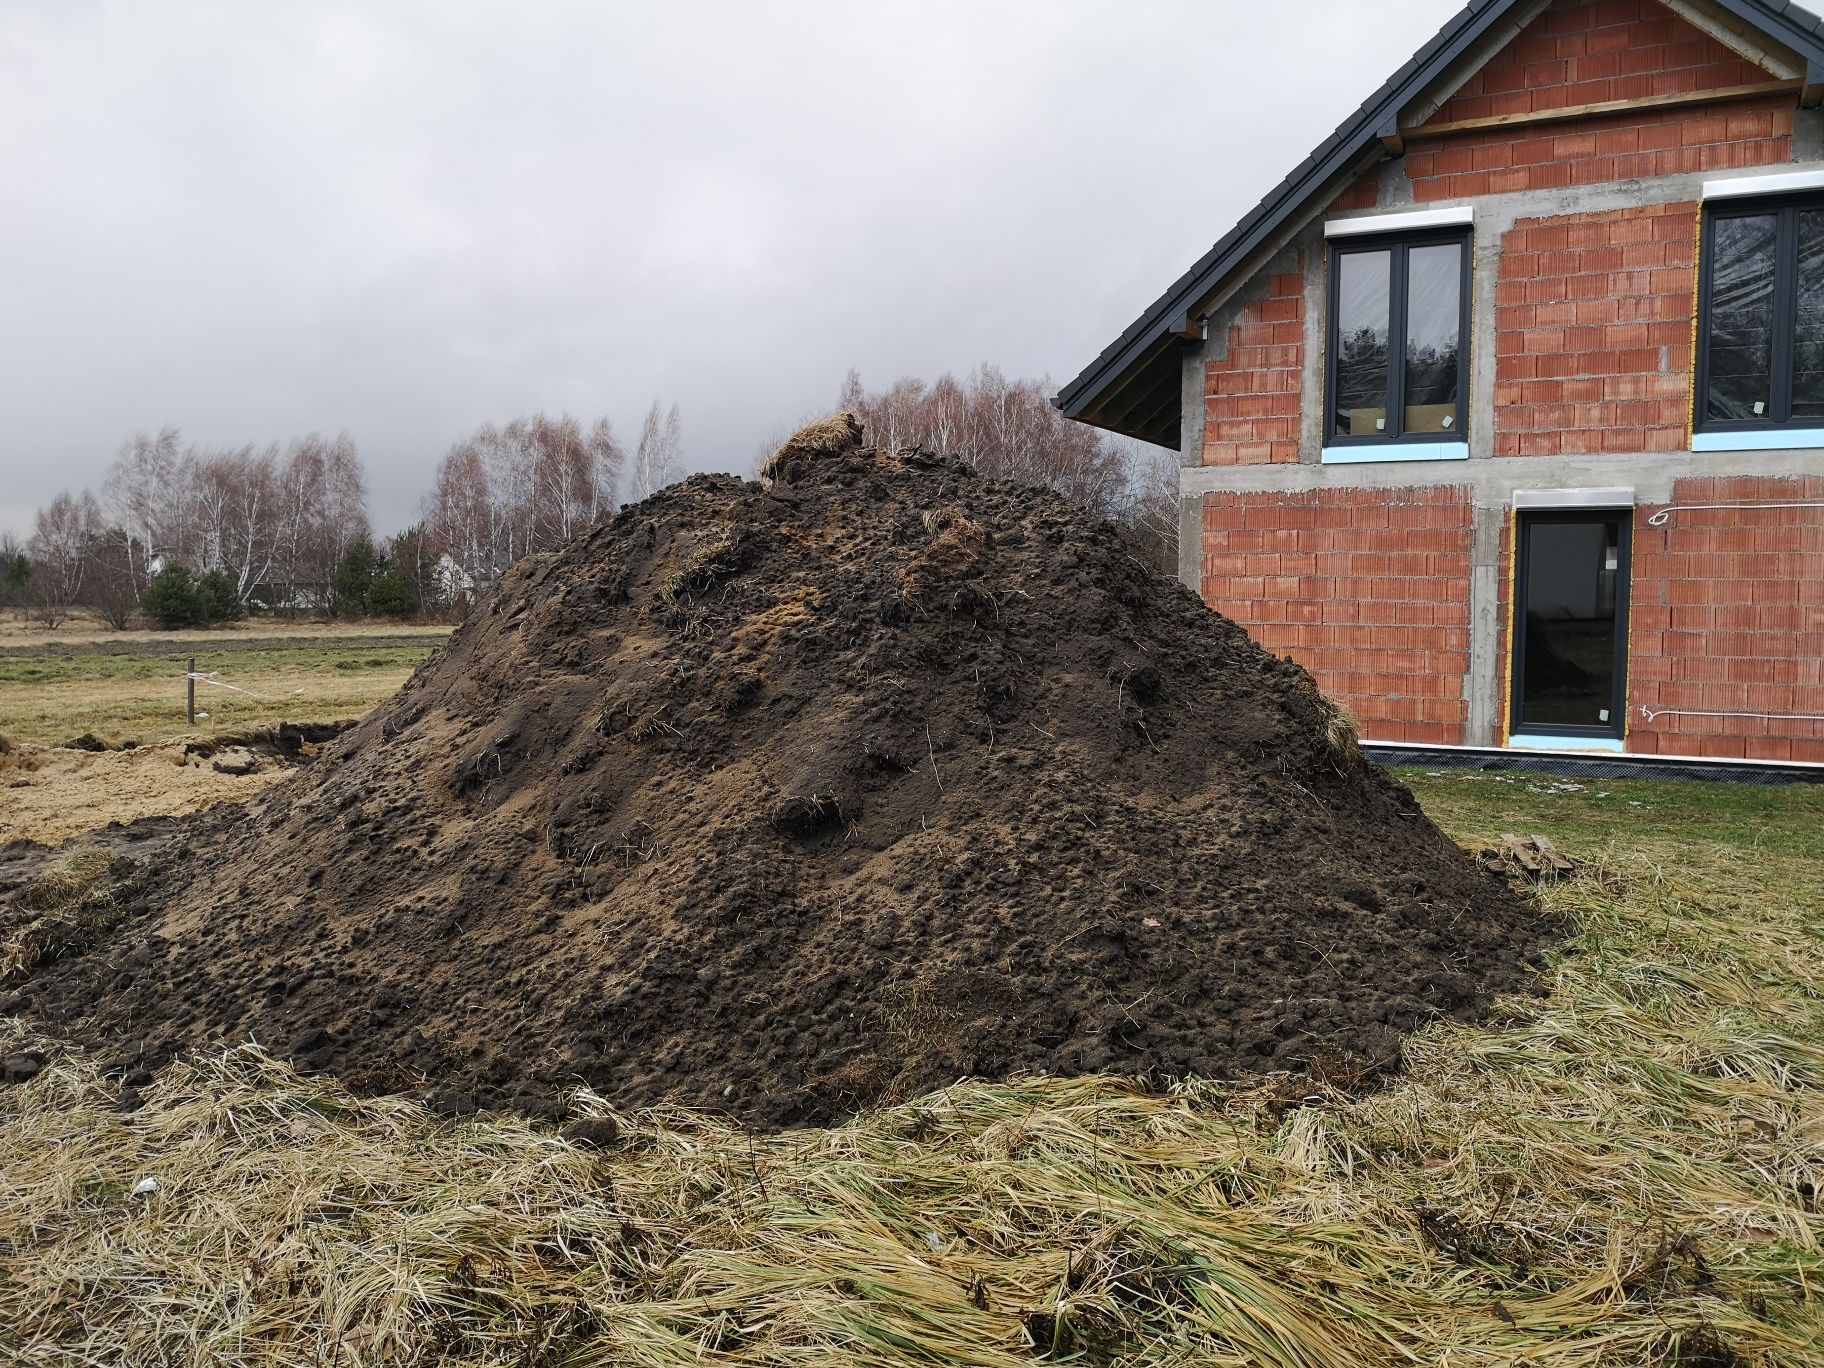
[{"x": 1623, "y": 1172}]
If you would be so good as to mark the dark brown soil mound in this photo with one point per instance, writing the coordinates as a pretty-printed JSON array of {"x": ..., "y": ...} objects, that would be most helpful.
[{"x": 784, "y": 801}]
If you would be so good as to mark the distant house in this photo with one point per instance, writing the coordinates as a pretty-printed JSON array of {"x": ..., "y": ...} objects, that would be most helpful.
[
  {"x": 1504, "y": 411},
  {"x": 453, "y": 584}
]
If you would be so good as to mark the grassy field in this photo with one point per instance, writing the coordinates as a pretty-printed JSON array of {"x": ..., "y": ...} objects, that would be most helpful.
[
  {"x": 85, "y": 629},
  {"x": 134, "y": 689},
  {"x": 1625, "y": 1170}
]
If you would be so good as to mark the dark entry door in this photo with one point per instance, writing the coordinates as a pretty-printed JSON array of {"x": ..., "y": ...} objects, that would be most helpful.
[{"x": 1571, "y": 623}]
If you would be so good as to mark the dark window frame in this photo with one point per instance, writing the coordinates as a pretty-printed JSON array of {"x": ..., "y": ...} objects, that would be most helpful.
[
  {"x": 1616, "y": 728},
  {"x": 1786, "y": 210},
  {"x": 1400, "y": 245}
]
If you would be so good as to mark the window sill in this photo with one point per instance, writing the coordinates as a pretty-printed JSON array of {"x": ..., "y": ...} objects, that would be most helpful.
[
  {"x": 1768, "y": 439},
  {"x": 1397, "y": 451},
  {"x": 1529, "y": 741}
]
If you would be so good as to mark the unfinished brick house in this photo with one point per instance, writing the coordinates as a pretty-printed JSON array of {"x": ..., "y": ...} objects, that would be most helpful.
[{"x": 1504, "y": 412}]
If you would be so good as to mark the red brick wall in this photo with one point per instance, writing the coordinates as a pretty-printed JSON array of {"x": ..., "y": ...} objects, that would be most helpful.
[
  {"x": 1368, "y": 589},
  {"x": 1582, "y": 52},
  {"x": 1728, "y": 616},
  {"x": 1252, "y": 397},
  {"x": 1364, "y": 192},
  {"x": 1614, "y": 147},
  {"x": 1591, "y": 51},
  {"x": 1593, "y": 332}
]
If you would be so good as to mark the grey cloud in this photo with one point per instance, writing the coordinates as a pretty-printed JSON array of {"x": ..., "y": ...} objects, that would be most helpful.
[{"x": 404, "y": 219}]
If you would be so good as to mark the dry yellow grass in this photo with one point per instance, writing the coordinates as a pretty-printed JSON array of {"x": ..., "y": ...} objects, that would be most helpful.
[
  {"x": 152, "y": 708},
  {"x": 49, "y": 794},
  {"x": 49, "y": 696},
  {"x": 1625, "y": 1171}
]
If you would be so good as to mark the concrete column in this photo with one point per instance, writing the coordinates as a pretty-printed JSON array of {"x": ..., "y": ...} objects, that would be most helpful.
[
  {"x": 1482, "y": 685},
  {"x": 1317, "y": 306},
  {"x": 1190, "y": 542},
  {"x": 1485, "y": 276},
  {"x": 1190, "y": 457}
]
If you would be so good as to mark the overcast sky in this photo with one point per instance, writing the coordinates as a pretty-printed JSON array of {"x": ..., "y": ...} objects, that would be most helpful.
[{"x": 402, "y": 220}]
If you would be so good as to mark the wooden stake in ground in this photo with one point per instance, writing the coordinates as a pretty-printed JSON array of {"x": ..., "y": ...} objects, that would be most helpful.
[{"x": 190, "y": 693}]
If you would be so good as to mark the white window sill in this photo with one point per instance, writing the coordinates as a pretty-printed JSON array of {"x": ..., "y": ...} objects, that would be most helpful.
[
  {"x": 1396, "y": 451},
  {"x": 1524, "y": 741},
  {"x": 1774, "y": 439}
]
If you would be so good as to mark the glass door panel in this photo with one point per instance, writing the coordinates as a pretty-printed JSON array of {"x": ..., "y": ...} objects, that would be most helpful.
[{"x": 1570, "y": 623}]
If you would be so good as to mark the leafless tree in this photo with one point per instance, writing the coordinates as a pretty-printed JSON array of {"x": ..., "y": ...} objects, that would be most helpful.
[
  {"x": 65, "y": 531},
  {"x": 1149, "y": 516},
  {"x": 320, "y": 512},
  {"x": 15, "y": 571},
  {"x": 659, "y": 459},
  {"x": 573, "y": 474},
  {"x": 144, "y": 497},
  {"x": 503, "y": 492},
  {"x": 115, "y": 576},
  {"x": 1008, "y": 430},
  {"x": 250, "y": 525},
  {"x": 459, "y": 513},
  {"x": 275, "y": 522}
]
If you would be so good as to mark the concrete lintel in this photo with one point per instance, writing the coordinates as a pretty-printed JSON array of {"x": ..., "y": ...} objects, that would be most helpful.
[
  {"x": 1403, "y": 221},
  {"x": 1492, "y": 482},
  {"x": 1614, "y": 496},
  {"x": 1495, "y": 214},
  {"x": 1763, "y": 183}
]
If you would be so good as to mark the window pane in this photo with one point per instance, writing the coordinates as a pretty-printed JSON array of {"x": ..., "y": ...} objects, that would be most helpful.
[
  {"x": 1808, "y": 321},
  {"x": 1434, "y": 310},
  {"x": 1364, "y": 294},
  {"x": 1741, "y": 317},
  {"x": 1572, "y": 573}
]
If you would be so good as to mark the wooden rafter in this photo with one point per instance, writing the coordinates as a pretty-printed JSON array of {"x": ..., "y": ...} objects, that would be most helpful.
[{"x": 1720, "y": 95}]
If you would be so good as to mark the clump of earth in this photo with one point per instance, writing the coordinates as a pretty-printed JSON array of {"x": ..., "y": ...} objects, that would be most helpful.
[{"x": 788, "y": 798}]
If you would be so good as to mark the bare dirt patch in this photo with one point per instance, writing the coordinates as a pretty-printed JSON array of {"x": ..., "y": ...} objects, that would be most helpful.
[
  {"x": 50, "y": 794},
  {"x": 788, "y": 801}
]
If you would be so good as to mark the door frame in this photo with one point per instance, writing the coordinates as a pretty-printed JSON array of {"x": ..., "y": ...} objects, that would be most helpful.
[{"x": 1524, "y": 520}]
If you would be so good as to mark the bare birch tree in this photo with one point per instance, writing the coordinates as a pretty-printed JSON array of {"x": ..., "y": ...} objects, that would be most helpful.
[
  {"x": 276, "y": 522},
  {"x": 320, "y": 512},
  {"x": 659, "y": 458},
  {"x": 1008, "y": 430},
  {"x": 531, "y": 485},
  {"x": 63, "y": 536},
  {"x": 143, "y": 497}
]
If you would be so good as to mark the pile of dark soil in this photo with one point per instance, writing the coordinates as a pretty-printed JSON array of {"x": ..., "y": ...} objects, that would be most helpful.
[{"x": 787, "y": 800}]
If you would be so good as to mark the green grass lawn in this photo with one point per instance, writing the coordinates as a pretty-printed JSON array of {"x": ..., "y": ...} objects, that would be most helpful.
[
  {"x": 1586, "y": 814},
  {"x": 1624, "y": 1169}
]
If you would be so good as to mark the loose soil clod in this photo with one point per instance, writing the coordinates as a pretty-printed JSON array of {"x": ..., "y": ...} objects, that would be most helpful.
[{"x": 783, "y": 801}]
